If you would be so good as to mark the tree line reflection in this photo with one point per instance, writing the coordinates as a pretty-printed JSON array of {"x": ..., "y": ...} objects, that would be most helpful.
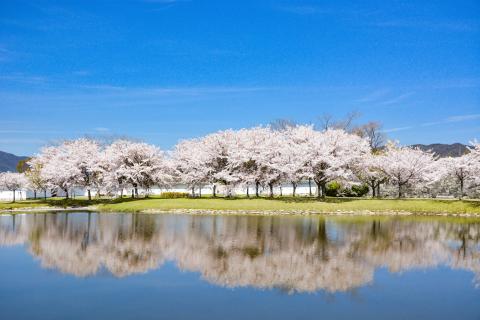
[{"x": 295, "y": 254}]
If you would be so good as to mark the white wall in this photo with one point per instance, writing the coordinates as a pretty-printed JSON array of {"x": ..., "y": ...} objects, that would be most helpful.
[
  {"x": 302, "y": 190},
  {"x": 287, "y": 190},
  {"x": 8, "y": 195}
]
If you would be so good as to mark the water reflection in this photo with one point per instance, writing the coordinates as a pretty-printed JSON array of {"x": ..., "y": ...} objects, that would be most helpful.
[{"x": 295, "y": 254}]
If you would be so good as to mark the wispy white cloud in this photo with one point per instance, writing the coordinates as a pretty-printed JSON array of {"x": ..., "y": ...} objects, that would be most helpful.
[
  {"x": 81, "y": 73},
  {"x": 174, "y": 90},
  {"x": 457, "y": 83},
  {"x": 164, "y": 1},
  {"x": 397, "y": 129},
  {"x": 303, "y": 9},
  {"x": 22, "y": 141},
  {"x": 102, "y": 129},
  {"x": 374, "y": 96},
  {"x": 451, "y": 119},
  {"x": 397, "y": 99},
  {"x": 454, "y": 26},
  {"x": 384, "y": 97},
  {"x": 464, "y": 117},
  {"x": 23, "y": 78},
  {"x": 5, "y": 54},
  {"x": 101, "y": 87},
  {"x": 78, "y": 97},
  {"x": 21, "y": 131},
  {"x": 159, "y": 5}
]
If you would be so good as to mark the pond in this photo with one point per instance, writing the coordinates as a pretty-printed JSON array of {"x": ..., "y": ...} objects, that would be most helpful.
[{"x": 135, "y": 266}]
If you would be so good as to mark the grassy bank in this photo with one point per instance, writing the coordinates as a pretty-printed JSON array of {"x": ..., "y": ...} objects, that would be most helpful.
[{"x": 262, "y": 204}]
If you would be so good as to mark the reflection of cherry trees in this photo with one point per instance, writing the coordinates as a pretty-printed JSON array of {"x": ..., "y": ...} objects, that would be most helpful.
[{"x": 291, "y": 253}]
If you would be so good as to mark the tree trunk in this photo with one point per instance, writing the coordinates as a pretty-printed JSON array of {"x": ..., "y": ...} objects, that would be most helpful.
[
  {"x": 372, "y": 185},
  {"x": 35, "y": 194},
  {"x": 66, "y": 193},
  {"x": 294, "y": 189},
  {"x": 89, "y": 195},
  {"x": 248, "y": 192},
  {"x": 121, "y": 193},
  {"x": 193, "y": 192},
  {"x": 45, "y": 194},
  {"x": 399, "y": 191},
  {"x": 214, "y": 191},
  {"x": 229, "y": 191},
  {"x": 136, "y": 192},
  {"x": 270, "y": 185},
  {"x": 14, "y": 195},
  {"x": 324, "y": 190},
  {"x": 133, "y": 194},
  {"x": 200, "y": 191},
  {"x": 461, "y": 189},
  {"x": 310, "y": 186},
  {"x": 281, "y": 191},
  {"x": 256, "y": 189},
  {"x": 378, "y": 190},
  {"x": 319, "y": 190}
]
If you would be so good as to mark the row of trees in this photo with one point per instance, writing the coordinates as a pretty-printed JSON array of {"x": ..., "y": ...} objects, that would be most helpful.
[{"x": 256, "y": 157}]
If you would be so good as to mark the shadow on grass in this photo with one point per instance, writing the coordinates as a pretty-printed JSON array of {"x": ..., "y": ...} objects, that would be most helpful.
[
  {"x": 313, "y": 199},
  {"x": 85, "y": 202},
  {"x": 62, "y": 202},
  {"x": 287, "y": 199}
]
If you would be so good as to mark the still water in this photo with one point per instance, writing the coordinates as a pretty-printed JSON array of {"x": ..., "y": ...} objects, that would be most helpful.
[{"x": 132, "y": 266}]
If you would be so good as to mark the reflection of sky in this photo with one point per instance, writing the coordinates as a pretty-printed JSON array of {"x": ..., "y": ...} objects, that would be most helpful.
[
  {"x": 29, "y": 292},
  {"x": 190, "y": 283}
]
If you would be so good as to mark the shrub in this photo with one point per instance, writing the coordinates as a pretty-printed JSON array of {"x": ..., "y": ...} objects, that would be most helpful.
[
  {"x": 333, "y": 188},
  {"x": 356, "y": 191},
  {"x": 360, "y": 190},
  {"x": 174, "y": 195}
]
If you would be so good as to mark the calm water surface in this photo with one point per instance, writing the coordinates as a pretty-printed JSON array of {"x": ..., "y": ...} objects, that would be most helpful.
[{"x": 127, "y": 266}]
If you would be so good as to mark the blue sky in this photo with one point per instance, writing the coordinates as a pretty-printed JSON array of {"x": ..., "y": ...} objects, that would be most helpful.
[{"x": 164, "y": 70}]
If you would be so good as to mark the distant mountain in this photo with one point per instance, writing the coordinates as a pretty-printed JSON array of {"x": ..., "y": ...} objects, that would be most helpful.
[
  {"x": 444, "y": 150},
  {"x": 8, "y": 161}
]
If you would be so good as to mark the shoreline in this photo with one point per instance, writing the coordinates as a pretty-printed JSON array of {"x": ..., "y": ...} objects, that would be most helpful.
[{"x": 190, "y": 211}]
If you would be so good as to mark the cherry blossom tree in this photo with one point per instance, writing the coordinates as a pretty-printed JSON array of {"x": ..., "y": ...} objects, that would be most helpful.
[
  {"x": 189, "y": 162},
  {"x": 113, "y": 180},
  {"x": 330, "y": 154},
  {"x": 459, "y": 170},
  {"x": 84, "y": 156},
  {"x": 36, "y": 180},
  {"x": 272, "y": 159},
  {"x": 369, "y": 171},
  {"x": 292, "y": 161},
  {"x": 218, "y": 147},
  {"x": 72, "y": 163},
  {"x": 58, "y": 168},
  {"x": 134, "y": 163},
  {"x": 259, "y": 156},
  {"x": 248, "y": 155},
  {"x": 406, "y": 166},
  {"x": 463, "y": 170},
  {"x": 12, "y": 181},
  {"x": 475, "y": 162}
]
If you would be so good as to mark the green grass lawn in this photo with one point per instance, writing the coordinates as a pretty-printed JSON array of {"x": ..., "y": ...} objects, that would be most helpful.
[
  {"x": 262, "y": 204},
  {"x": 21, "y": 204},
  {"x": 55, "y": 203}
]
